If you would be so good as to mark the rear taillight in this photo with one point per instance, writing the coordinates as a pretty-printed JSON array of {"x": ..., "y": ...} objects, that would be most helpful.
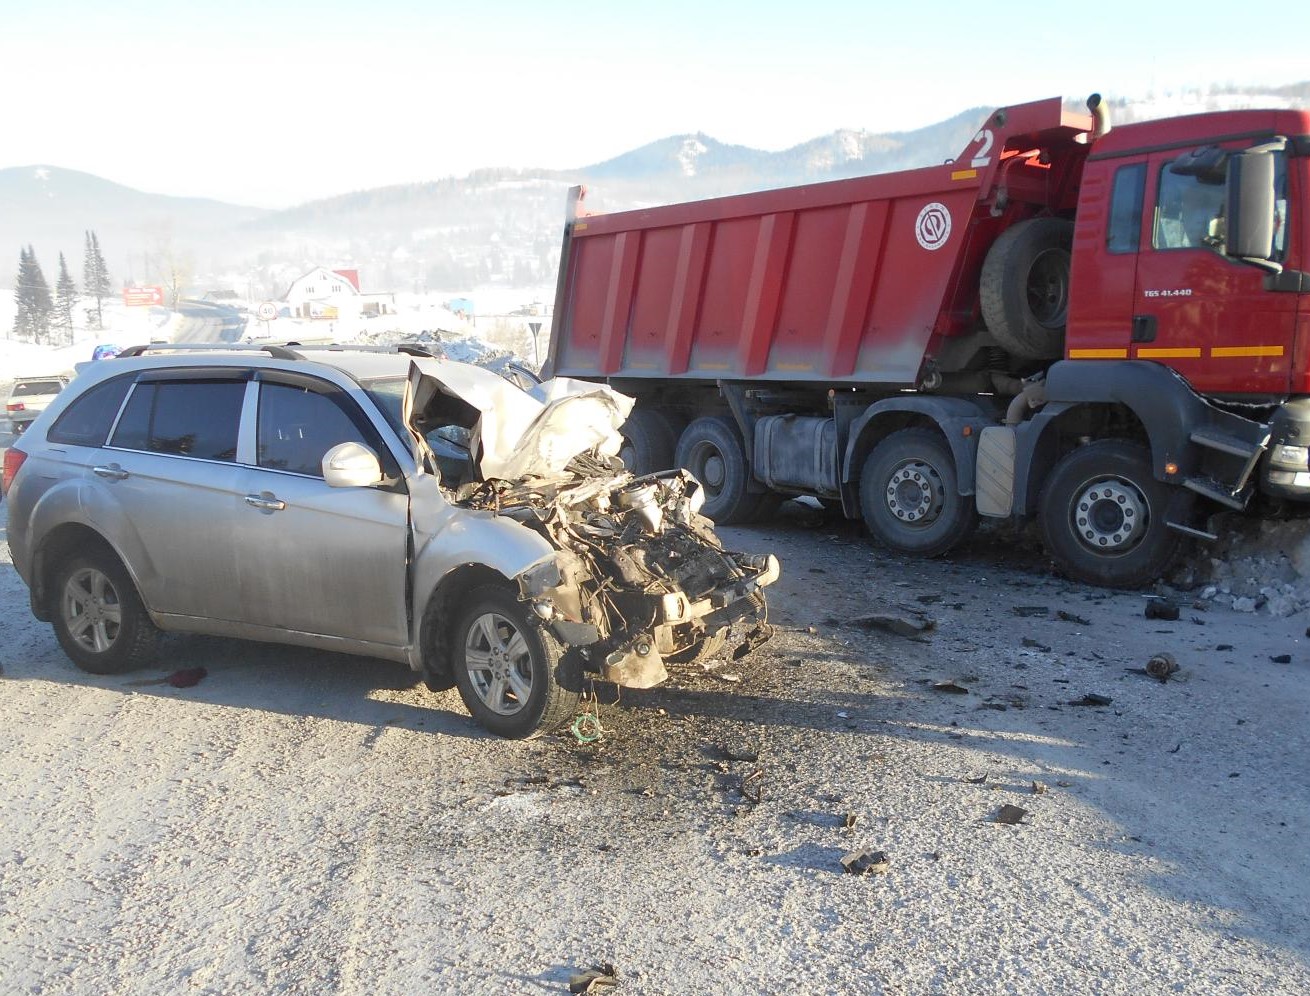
[
  {"x": 14, "y": 458},
  {"x": 14, "y": 406}
]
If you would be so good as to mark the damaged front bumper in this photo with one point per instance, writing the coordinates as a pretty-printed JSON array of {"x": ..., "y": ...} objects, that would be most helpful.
[{"x": 640, "y": 582}]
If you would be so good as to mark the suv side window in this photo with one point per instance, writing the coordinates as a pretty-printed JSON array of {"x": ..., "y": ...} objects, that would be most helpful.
[
  {"x": 87, "y": 420},
  {"x": 298, "y": 424},
  {"x": 193, "y": 418}
]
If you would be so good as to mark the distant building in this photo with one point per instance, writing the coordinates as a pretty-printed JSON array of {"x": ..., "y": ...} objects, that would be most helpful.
[
  {"x": 222, "y": 297},
  {"x": 330, "y": 294}
]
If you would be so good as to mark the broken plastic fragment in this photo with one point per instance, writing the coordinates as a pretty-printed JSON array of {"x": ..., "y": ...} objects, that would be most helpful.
[
  {"x": 950, "y": 688},
  {"x": 595, "y": 979},
  {"x": 1011, "y": 815}
]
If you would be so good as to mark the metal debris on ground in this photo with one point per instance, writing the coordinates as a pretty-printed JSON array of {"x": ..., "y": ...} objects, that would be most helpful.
[
  {"x": 848, "y": 821},
  {"x": 1032, "y": 644},
  {"x": 912, "y": 627},
  {"x": 1011, "y": 815},
  {"x": 950, "y": 687},
  {"x": 751, "y": 787},
  {"x": 595, "y": 979},
  {"x": 1224, "y": 646},
  {"x": 1039, "y": 788},
  {"x": 1159, "y": 608},
  {"x": 979, "y": 780},
  {"x": 1071, "y": 618},
  {"x": 1091, "y": 699},
  {"x": 1282, "y": 659},
  {"x": 1029, "y": 611},
  {"x": 1161, "y": 666},
  {"x": 865, "y": 862}
]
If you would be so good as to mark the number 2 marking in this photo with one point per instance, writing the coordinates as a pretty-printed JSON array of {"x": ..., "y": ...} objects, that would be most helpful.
[{"x": 983, "y": 158}]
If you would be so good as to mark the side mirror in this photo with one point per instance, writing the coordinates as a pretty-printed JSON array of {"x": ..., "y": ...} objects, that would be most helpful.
[
  {"x": 1250, "y": 233},
  {"x": 350, "y": 465}
]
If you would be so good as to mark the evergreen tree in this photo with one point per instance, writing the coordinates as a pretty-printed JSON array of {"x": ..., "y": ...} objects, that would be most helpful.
[
  {"x": 95, "y": 275},
  {"x": 32, "y": 297},
  {"x": 65, "y": 299}
]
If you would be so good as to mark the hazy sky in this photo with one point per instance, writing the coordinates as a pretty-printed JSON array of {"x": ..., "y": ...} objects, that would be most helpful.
[{"x": 275, "y": 102}]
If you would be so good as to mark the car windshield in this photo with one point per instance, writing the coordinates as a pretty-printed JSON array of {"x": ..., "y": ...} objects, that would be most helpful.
[
  {"x": 389, "y": 393},
  {"x": 29, "y": 387}
]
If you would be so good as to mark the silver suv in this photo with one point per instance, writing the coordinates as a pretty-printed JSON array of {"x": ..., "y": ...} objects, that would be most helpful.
[
  {"x": 29, "y": 397},
  {"x": 384, "y": 504}
]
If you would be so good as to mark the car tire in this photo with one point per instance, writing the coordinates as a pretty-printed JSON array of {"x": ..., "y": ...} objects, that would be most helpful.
[
  {"x": 515, "y": 678},
  {"x": 99, "y": 618},
  {"x": 909, "y": 495},
  {"x": 1093, "y": 493}
]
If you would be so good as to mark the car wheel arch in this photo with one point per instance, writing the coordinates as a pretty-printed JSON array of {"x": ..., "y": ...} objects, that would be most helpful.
[
  {"x": 58, "y": 545},
  {"x": 442, "y": 606}
]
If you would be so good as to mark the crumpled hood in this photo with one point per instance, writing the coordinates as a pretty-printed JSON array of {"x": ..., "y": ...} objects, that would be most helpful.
[{"x": 526, "y": 433}]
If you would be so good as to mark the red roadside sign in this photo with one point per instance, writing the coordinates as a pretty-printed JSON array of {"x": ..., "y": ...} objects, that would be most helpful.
[{"x": 137, "y": 297}]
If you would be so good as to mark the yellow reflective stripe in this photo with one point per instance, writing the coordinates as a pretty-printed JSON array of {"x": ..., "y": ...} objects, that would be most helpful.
[
  {"x": 1246, "y": 351},
  {"x": 964, "y": 174},
  {"x": 1098, "y": 354},
  {"x": 1164, "y": 352}
]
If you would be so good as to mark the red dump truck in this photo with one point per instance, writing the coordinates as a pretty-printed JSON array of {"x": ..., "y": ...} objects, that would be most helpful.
[{"x": 1106, "y": 330}]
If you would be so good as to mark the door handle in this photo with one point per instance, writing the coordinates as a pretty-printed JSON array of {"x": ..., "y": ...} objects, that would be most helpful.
[
  {"x": 1143, "y": 328},
  {"x": 266, "y": 502},
  {"x": 113, "y": 472}
]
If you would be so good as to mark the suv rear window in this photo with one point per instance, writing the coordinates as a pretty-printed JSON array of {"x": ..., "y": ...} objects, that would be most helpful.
[
  {"x": 87, "y": 420},
  {"x": 26, "y": 388},
  {"x": 194, "y": 418}
]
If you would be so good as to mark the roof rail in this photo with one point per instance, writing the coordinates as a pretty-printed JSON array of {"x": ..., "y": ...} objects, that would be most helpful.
[{"x": 277, "y": 352}]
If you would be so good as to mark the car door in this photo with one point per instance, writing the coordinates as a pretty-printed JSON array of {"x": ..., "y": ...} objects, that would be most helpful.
[
  {"x": 313, "y": 558},
  {"x": 169, "y": 469}
]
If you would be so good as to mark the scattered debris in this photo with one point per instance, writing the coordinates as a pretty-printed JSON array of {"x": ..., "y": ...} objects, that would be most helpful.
[
  {"x": 1091, "y": 699},
  {"x": 1161, "y": 666},
  {"x": 950, "y": 687},
  {"x": 1034, "y": 645},
  {"x": 848, "y": 821},
  {"x": 1282, "y": 659},
  {"x": 586, "y": 729},
  {"x": 1224, "y": 646},
  {"x": 1071, "y": 618},
  {"x": 1011, "y": 815},
  {"x": 1159, "y": 608},
  {"x": 911, "y": 627},
  {"x": 732, "y": 679},
  {"x": 1028, "y": 611},
  {"x": 1039, "y": 788},
  {"x": 739, "y": 754},
  {"x": 865, "y": 862},
  {"x": 751, "y": 787},
  {"x": 979, "y": 780},
  {"x": 595, "y": 979}
]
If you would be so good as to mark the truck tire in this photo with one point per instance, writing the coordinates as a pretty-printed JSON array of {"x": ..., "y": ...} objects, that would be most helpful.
[
  {"x": 711, "y": 449},
  {"x": 513, "y": 675},
  {"x": 99, "y": 619},
  {"x": 909, "y": 495},
  {"x": 1103, "y": 516},
  {"x": 649, "y": 442},
  {"x": 1024, "y": 288}
]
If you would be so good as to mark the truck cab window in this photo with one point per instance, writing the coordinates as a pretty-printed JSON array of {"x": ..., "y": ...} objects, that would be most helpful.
[
  {"x": 1189, "y": 213},
  {"x": 1125, "y": 231}
]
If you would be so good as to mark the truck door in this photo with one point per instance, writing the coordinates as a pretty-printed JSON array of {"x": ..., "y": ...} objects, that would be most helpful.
[{"x": 1195, "y": 309}]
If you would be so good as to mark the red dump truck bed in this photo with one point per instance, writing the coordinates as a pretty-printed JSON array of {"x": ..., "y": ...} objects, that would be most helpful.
[{"x": 847, "y": 281}]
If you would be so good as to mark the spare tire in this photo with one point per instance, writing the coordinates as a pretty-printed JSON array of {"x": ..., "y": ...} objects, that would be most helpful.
[{"x": 1024, "y": 289}]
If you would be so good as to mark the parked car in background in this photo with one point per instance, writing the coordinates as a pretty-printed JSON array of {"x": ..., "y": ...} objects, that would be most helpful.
[
  {"x": 384, "y": 504},
  {"x": 29, "y": 397}
]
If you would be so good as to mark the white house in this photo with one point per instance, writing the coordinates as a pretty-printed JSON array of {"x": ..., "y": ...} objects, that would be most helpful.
[{"x": 330, "y": 294}]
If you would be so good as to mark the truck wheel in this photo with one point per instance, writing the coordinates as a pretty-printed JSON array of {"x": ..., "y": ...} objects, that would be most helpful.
[
  {"x": 712, "y": 450},
  {"x": 909, "y": 496},
  {"x": 99, "y": 619},
  {"x": 1103, "y": 516},
  {"x": 1024, "y": 289},
  {"x": 648, "y": 442},
  {"x": 515, "y": 678}
]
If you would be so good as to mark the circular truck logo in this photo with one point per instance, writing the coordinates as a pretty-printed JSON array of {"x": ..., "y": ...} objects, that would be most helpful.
[{"x": 933, "y": 226}]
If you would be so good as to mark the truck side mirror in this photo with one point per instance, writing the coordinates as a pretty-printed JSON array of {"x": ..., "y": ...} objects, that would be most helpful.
[{"x": 1250, "y": 231}]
